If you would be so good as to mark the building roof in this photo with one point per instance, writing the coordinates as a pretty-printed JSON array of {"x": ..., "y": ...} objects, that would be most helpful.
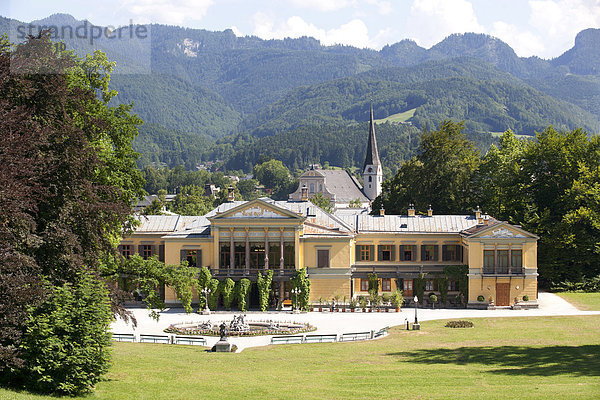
[
  {"x": 372, "y": 157},
  {"x": 364, "y": 223},
  {"x": 340, "y": 183}
]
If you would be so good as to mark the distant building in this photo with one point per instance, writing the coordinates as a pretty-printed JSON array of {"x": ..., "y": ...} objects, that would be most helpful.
[{"x": 341, "y": 188}]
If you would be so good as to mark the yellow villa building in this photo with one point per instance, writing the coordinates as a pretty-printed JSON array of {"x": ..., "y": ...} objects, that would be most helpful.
[{"x": 339, "y": 250}]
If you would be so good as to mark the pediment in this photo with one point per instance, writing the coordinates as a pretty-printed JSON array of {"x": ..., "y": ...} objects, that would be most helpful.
[
  {"x": 504, "y": 231},
  {"x": 257, "y": 209}
]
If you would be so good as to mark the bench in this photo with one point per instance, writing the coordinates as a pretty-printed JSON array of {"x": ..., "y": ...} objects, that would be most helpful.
[
  {"x": 350, "y": 337},
  {"x": 155, "y": 339},
  {"x": 286, "y": 339},
  {"x": 191, "y": 340},
  {"x": 320, "y": 338},
  {"x": 123, "y": 337},
  {"x": 381, "y": 332}
]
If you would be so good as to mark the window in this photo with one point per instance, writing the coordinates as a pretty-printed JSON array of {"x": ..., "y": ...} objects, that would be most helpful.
[
  {"x": 502, "y": 261},
  {"x": 365, "y": 252},
  {"x": 429, "y": 284},
  {"x": 408, "y": 285},
  {"x": 274, "y": 255},
  {"x": 239, "y": 256},
  {"x": 289, "y": 256},
  {"x": 146, "y": 251},
  {"x": 364, "y": 285},
  {"x": 370, "y": 169},
  {"x": 312, "y": 188},
  {"x": 193, "y": 257},
  {"x": 386, "y": 284},
  {"x": 225, "y": 258},
  {"x": 452, "y": 286},
  {"x": 451, "y": 252},
  {"x": 386, "y": 253},
  {"x": 429, "y": 252},
  {"x": 370, "y": 179},
  {"x": 322, "y": 258},
  {"x": 516, "y": 261},
  {"x": 126, "y": 250},
  {"x": 488, "y": 260},
  {"x": 407, "y": 253}
]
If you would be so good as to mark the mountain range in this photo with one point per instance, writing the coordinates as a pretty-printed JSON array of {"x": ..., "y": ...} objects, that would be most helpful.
[{"x": 215, "y": 92}]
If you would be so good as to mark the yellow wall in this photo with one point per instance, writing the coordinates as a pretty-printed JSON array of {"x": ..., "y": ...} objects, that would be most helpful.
[
  {"x": 358, "y": 292},
  {"x": 328, "y": 287},
  {"x": 339, "y": 253}
]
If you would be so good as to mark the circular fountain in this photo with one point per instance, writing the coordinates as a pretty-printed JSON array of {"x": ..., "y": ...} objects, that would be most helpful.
[{"x": 238, "y": 326}]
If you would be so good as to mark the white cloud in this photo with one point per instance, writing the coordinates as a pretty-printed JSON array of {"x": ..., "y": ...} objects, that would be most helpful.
[
  {"x": 524, "y": 43},
  {"x": 558, "y": 21},
  {"x": 321, "y": 5},
  {"x": 430, "y": 21},
  {"x": 383, "y": 7},
  {"x": 354, "y": 33},
  {"x": 174, "y": 12},
  {"x": 236, "y": 31}
]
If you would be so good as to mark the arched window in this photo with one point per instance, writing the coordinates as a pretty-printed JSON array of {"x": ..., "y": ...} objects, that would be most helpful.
[
  {"x": 370, "y": 169},
  {"x": 370, "y": 178}
]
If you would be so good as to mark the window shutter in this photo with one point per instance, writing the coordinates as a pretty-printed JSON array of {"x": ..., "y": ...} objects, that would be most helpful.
[
  {"x": 379, "y": 253},
  {"x": 357, "y": 253},
  {"x": 444, "y": 252},
  {"x": 422, "y": 252},
  {"x": 139, "y": 249},
  {"x": 154, "y": 250},
  {"x": 393, "y": 253},
  {"x": 182, "y": 255},
  {"x": 435, "y": 252},
  {"x": 414, "y": 253},
  {"x": 460, "y": 255},
  {"x": 161, "y": 252},
  {"x": 401, "y": 258},
  {"x": 372, "y": 252},
  {"x": 198, "y": 258}
]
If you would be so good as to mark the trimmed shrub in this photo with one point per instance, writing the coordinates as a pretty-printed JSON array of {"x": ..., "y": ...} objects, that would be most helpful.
[
  {"x": 526, "y": 298},
  {"x": 226, "y": 290},
  {"x": 459, "y": 324},
  {"x": 480, "y": 298},
  {"x": 242, "y": 291}
]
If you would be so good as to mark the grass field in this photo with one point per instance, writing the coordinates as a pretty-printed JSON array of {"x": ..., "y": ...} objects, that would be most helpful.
[
  {"x": 512, "y": 358},
  {"x": 583, "y": 301},
  {"x": 400, "y": 117}
]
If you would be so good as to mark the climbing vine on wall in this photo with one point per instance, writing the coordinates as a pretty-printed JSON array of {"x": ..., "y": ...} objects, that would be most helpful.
[
  {"x": 242, "y": 292},
  {"x": 300, "y": 281},
  {"x": 263, "y": 283}
]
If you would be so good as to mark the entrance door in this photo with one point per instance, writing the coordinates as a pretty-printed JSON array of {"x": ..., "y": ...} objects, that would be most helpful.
[
  {"x": 502, "y": 294},
  {"x": 408, "y": 288}
]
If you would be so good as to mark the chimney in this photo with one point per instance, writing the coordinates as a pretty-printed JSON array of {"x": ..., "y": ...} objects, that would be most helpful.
[
  {"x": 430, "y": 211},
  {"x": 382, "y": 211},
  {"x": 411, "y": 210},
  {"x": 230, "y": 194},
  {"x": 486, "y": 219},
  {"x": 478, "y": 216},
  {"x": 304, "y": 193}
]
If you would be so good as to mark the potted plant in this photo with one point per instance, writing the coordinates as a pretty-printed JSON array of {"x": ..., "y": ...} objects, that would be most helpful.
[
  {"x": 480, "y": 298},
  {"x": 386, "y": 300},
  {"x": 344, "y": 304},
  {"x": 525, "y": 298},
  {"x": 352, "y": 304},
  {"x": 433, "y": 299},
  {"x": 397, "y": 299},
  {"x": 363, "y": 303},
  {"x": 321, "y": 300}
]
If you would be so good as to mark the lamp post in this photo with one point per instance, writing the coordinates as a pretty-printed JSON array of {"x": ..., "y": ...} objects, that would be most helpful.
[
  {"x": 416, "y": 325},
  {"x": 206, "y": 293},
  {"x": 295, "y": 292}
]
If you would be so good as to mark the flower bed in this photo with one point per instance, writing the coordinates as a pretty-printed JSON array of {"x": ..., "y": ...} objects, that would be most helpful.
[{"x": 256, "y": 329}]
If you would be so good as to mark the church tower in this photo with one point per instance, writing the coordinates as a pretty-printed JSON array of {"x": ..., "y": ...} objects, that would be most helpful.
[{"x": 372, "y": 172}]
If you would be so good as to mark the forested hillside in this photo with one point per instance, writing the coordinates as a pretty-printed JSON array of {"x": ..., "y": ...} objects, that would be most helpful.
[{"x": 212, "y": 95}]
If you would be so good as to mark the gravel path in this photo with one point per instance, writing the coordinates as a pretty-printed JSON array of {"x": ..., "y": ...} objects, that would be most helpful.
[{"x": 338, "y": 323}]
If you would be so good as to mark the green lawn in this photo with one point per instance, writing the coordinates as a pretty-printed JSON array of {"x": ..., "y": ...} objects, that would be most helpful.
[
  {"x": 526, "y": 358},
  {"x": 400, "y": 117},
  {"x": 583, "y": 301}
]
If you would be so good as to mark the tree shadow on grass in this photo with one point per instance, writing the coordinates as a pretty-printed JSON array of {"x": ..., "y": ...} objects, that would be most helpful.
[{"x": 516, "y": 360}]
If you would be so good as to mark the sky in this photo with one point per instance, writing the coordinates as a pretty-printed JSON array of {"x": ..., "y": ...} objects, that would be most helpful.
[{"x": 544, "y": 28}]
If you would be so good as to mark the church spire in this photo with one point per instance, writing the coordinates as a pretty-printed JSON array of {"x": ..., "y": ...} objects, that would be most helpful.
[
  {"x": 372, "y": 157},
  {"x": 372, "y": 171}
]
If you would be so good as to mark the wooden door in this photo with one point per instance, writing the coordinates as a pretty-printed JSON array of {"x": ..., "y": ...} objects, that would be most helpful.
[
  {"x": 502, "y": 294},
  {"x": 408, "y": 288}
]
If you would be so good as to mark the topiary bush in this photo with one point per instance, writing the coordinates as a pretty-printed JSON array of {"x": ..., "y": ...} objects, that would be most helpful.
[
  {"x": 226, "y": 290},
  {"x": 242, "y": 291},
  {"x": 480, "y": 298},
  {"x": 66, "y": 348},
  {"x": 526, "y": 298},
  {"x": 459, "y": 324}
]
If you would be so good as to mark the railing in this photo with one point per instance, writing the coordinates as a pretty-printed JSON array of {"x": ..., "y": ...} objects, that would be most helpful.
[
  {"x": 503, "y": 271},
  {"x": 251, "y": 271}
]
